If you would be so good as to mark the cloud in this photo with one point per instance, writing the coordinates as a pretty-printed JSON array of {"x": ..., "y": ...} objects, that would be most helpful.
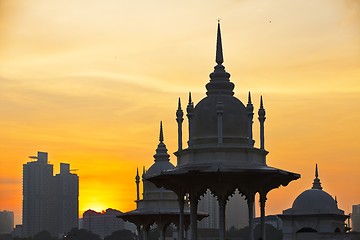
[{"x": 10, "y": 181}]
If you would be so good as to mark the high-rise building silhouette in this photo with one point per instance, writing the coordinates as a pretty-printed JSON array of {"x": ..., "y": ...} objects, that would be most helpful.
[
  {"x": 67, "y": 186},
  {"x": 236, "y": 211},
  {"x": 355, "y": 218},
  {"x": 105, "y": 223},
  {"x": 49, "y": 203},
  {"x": 6, "y": 222}
]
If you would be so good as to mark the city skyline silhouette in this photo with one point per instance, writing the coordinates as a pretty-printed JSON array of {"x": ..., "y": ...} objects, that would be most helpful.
[{"x": 89, "y": 85}]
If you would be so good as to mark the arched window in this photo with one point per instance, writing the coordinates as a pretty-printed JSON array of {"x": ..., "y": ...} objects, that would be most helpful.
[{"x": 306, "y": 229}]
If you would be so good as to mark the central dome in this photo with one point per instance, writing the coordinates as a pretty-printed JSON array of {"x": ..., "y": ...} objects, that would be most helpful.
[{"x": 234, "y": 118}]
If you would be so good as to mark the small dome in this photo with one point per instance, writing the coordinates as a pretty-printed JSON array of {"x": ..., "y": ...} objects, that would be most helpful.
[
  {"x": 315, "y": 201},
  {"x": 158, "y": 167},
  {"x": 161, "y": 157},
  {"x": 234, "y": 118}
]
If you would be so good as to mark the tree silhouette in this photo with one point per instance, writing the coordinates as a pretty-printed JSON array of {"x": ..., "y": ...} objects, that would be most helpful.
[
  {"x": 81, "y": 234},
  {"x": 121, "y": 235},
  {"x": 43, "y": 235}
]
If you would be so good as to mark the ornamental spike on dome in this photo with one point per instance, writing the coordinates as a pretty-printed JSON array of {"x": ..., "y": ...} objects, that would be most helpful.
[
  {"x": 219, "y": 79},
  {"x": 161, "y": 136},
  {"x": 161, "y": 151},
  {"x": 179, "y": 104},
  {"x": 316, "y": 183},
  {"x": 249, "y": 98},
  {"x": 219, "y": 51}
]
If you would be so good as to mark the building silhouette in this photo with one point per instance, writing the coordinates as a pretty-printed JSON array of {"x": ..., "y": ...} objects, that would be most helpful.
[
  {"x": 104, "y": 223},
  {"x": 315, "y": 215},
  {"x": 49, "y": 202},
  {"x": 67, "y": 187},
  {"x": 221, "y": 154},
  {"x": 208, "y": 204},
  {"x": 355, "y": 218},
  {"x": 6, "y": 222},
  {"x": 158, "y": 205},
  {"x": 236, "y": 211}
]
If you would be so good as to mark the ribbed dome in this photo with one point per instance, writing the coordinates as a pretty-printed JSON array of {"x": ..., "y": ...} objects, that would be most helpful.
[
  {"x": 316, "y": 201},
  {"x": 234, "y": 118}
]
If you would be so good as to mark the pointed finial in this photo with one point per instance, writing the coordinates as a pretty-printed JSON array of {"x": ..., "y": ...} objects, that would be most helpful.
[
  {"x": 219, "y": 51},
  {"x": 144, "y": 171},
  {"x": 137, "y": 172},
  {"x": 179, "y": 104},
  {"x": 161, "y": 137},
  {"x": 249, "y": 98},
  {"x": 161, "y": 150},
  {"x": 316, "y": 183},
  {"x": 261, "y": 102},
  {"x": 190, "y": 100},
  {"x": 336, "y": 201}
]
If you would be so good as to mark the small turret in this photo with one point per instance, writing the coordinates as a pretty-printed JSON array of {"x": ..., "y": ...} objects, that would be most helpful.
[
  {"x": 250, "y": 112},
  {"x": 137, "y": 181},
  {"x": 262, "y": 118},
  {"x": 190, "y": 115},
  {"x": 179, "y": 120}
]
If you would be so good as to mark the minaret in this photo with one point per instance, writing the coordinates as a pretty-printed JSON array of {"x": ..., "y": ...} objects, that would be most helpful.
[
  {"x": 179, "y": 120},
  {"x": 250, "y": 112},
  {"x": 316, "y": 183},
  {"x": 137, "y": 181},
  {"x": 190, "y": 115},
  {"x": 262, "y": 118},
  {"x": 161, "y": 151},
  {"x": 143, "y": 178}
]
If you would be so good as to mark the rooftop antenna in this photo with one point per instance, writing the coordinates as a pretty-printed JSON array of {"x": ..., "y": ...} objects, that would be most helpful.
[{"x": 33, "y": 157}]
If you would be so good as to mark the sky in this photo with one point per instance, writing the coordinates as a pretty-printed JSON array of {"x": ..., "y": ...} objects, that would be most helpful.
[{"x": 88, "y": 81}]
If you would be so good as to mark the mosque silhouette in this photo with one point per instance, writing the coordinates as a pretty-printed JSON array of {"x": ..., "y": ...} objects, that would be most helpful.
[{"x": 221, "y": 156}]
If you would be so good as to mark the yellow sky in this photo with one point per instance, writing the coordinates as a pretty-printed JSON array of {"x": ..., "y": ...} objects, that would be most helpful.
[{"x": 89, "y": 81}]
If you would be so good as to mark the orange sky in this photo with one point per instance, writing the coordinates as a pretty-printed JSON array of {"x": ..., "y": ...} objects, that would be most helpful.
[{"x": 89, "y": 81}]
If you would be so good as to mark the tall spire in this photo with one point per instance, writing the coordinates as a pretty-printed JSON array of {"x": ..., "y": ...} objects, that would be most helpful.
[
  {"x": 316, "y": 183},
  {"x": 161, "y": 151},
  {"x": 161, "y": 136},
  {"x": 219, "y": 79},
  {"x": 219, "y": 51}
]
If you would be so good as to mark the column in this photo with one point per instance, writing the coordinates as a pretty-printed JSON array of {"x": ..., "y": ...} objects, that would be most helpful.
[
  {"x": 138, "y": 231},
  {"x": 162, "y": 231},
  {"x": 193, "y": 216},
  {"x": 262, "y": 212},
  {"x": 181, "y": 216},
  {"x": 250, "y": 202},
  {"x": 222, "y": 206}
]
